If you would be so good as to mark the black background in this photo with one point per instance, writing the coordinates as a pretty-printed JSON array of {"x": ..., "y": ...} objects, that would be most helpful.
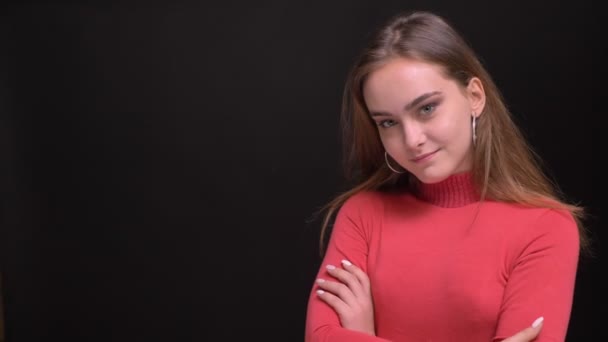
[{"x": 161, "y": 161}]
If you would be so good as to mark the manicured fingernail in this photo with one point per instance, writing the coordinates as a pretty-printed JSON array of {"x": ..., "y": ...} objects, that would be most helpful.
[
  {"x": 330, "y": 267},
  {"x": 537, "y": 322},
  {"x": 346, "y": 263},
  {"x": 320, "y": 292},
  {"x": 320, "y": 280}
]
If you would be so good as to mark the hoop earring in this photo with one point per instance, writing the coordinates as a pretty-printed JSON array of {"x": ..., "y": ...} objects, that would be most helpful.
[
  {"x": 474, "y": 126},
  {"x": 389, "y": 164}
]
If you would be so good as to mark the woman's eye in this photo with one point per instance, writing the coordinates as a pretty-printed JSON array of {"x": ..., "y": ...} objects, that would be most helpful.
[
  {"x": 427, "y": 109},
  {"x": 386, "y": 123}
]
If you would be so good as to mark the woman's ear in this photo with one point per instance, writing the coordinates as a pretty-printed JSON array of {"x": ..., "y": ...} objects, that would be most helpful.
[{"x": 476, "y": 95}]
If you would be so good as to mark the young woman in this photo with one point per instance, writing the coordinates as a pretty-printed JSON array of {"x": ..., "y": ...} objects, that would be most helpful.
[{"x": 452, "y": 233}]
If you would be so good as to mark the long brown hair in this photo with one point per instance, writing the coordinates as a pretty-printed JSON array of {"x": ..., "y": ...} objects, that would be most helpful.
[{"x": 505, "y": 168}]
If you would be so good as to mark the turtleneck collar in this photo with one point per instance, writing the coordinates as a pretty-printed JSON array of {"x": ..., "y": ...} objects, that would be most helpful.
[{"x": 455, "y": 191}]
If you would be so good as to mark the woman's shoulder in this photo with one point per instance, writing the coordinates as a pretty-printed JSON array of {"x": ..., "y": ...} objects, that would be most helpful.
[
  {"x": 363, "y": 199},
  {"x": 530, "y": 222},
  {"x": 528, "y": 212},
  {"x": 374, "y": 198}
]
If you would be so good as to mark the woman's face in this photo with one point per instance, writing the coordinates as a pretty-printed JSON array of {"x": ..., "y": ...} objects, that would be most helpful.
[{"x": 423, "y": 117}]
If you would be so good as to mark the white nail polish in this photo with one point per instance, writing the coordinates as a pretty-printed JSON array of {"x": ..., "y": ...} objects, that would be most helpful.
[
  {"x": 537, "y": 322},
  {"x": 330, "y": 267},
  {"x": 320, "y": 280},
  {"x": 346, "y": 263},
  {"x": 320, "y": 292}
]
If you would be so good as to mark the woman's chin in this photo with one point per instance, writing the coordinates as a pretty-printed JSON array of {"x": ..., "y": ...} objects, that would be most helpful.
[{"x": 430, "y": 177}]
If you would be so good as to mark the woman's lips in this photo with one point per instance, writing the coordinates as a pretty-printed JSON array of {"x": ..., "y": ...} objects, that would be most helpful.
[{"x": 423, "y": 157}]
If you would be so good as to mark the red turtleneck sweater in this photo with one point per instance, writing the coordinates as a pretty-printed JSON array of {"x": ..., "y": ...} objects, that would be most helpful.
[{"x": 445, "y": 267}]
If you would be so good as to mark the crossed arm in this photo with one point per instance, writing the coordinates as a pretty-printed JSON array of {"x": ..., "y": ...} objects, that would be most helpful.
[{"x": 542, "y": 276}]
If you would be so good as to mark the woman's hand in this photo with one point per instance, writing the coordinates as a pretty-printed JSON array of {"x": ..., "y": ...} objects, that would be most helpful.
[
  {"x": 351, "y": 297},
  {"x": 528, "y": 334}
]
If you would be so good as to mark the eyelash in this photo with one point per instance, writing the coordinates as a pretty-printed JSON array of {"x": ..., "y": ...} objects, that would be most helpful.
[
  {"x": 433, "y": 105},
  {"x": 382, "y": 124}
]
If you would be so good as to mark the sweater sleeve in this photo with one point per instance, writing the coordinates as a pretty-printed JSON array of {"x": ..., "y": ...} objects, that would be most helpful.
[
  {"x": 349, "y": 240},
  {"x": 542, "y": 278}
]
